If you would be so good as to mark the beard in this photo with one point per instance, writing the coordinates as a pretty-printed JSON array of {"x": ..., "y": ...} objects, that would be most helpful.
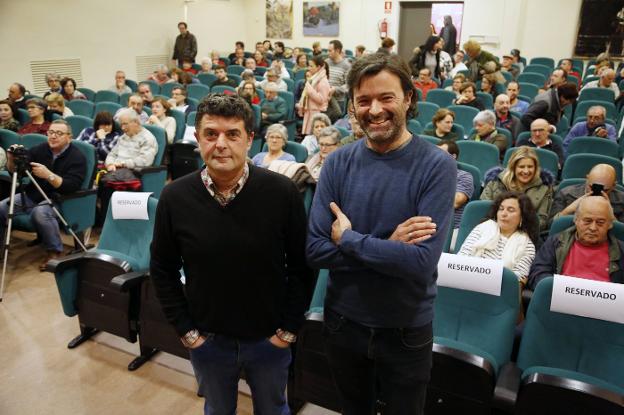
[{"x": 388, "y": 131}]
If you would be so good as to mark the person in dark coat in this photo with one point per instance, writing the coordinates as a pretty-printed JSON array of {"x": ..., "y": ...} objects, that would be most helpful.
[{"x": 449, "y": 34}]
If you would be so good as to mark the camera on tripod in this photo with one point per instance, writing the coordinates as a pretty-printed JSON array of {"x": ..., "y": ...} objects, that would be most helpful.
[{"x": 21, "y": 158}]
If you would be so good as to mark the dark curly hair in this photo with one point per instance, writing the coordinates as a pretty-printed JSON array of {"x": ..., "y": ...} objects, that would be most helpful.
[
  {"x": 528, "y": 214},
  {"x": 228, "y": 106}
]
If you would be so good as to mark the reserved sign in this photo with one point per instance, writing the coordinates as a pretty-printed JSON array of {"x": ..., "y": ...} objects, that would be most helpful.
[
  {"x": 588, "y": 298},
  {"x": 130, "y": 205},
  {"x": 470, "y": 273}
]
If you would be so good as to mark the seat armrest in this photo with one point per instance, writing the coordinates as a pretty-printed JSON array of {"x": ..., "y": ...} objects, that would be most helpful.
[
  {"x": 146, "y": 170},
  {"x": 77, "y": 194},
  {"x": 60, "y": 264},
  {"x": 125, "y": 282},
  {"x": 507, "y": 387}
]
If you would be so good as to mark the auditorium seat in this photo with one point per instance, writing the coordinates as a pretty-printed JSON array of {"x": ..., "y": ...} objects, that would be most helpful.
[
  {"x": 482, "y": 155},
  {"x": 529, "y": 90},
  {"x": 78, "y": 123},
  {"x": 105, "y": 95},
  {"x": 206, "y": 78},
  {"x": 426, "y": 111},
  {"x": 476, "y": 178},
  {"x": 235, "y": 69},
  {"x": 596, "y": 94},
  {"x": 414, "y": 127},
  {"x": 153, "y": 178},
  {"x": 594, "y": 145},
  {"x": 464, "y": 115},
  {"x": 578, "y": 165},
  {"x": 81, "y": 107},
  {"x": 197, "y": 91},
  {"x": 154, "y": 87},
  {"x": 441, "y": 97},
  {"x": 297, "y": 150},
  {"x": 101, "y": 285},
  {"x": 433, "y": 140},
  {"x": 109, "y": 107},
  {"x": 545, "y": 61},
  {"x": 474, "y": 213},
  {"x": 487, "y": 100},
  {"x": 221, "y": 89},
  {"x": 536, "y": 79},
  {"x": 540, "y": 69},
  {"x": 566, "y": 363},
  {"x": 473, "y": 339},
  {"x": 88, "y": 92},
  {"x": 165, "y": 89}
]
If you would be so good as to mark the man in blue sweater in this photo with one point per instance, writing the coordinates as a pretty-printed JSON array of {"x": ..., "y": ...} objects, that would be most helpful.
[{"x": 378, "y": 222}]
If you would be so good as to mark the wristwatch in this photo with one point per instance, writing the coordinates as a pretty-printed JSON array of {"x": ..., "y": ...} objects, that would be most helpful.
[
  {"x": 51, "y": 177},
  {"x": 190, "y": 338},
  {"x": 286, "y": 336}
]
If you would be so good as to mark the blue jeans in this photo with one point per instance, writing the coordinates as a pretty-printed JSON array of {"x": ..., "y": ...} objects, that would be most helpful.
[
  {"x": 42, "y": 217},
  {"x": 384, "y": 367},
  {"x": 218, "y": 364}
]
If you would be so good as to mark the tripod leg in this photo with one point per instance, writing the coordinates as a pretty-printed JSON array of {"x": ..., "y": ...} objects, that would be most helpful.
[{"x": 7, "y": 237}]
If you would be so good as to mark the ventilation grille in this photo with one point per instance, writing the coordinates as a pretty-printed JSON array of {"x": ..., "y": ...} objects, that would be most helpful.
[
  {"x": 145, "y": 65},
  {"x": 63, "y": 67}
]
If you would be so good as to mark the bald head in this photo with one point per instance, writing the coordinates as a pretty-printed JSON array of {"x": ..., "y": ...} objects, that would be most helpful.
[
  {"x": 539, "y": 131},
  {"x": 603, "y": 174},
  {"x": 501, "y": 104}
]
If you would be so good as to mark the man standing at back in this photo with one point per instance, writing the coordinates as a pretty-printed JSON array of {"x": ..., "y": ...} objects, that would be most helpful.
[
  {"x": 185, "y": 45},
  {"x": 378, "y": 222},
  {"x": 239, "y": 233},
  {"x": 338, "y": 69}
]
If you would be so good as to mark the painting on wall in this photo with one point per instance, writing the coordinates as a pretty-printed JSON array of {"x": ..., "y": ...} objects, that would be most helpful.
[
  {"x": 279, "y": 19},
  {"x": 321, "y": 18},
  {"x": 601, "y": 28}
]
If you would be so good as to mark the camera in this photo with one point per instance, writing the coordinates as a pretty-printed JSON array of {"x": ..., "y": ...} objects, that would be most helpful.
[{"x": 21, "y": 158}]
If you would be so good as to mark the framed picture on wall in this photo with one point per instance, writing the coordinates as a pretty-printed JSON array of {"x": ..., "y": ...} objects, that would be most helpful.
[
  {"x": 321, "y": 18},
  {"x": 601, "y": 28},
  {"x": 279, "y": 19}
]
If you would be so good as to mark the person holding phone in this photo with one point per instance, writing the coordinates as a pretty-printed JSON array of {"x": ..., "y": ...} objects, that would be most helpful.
[
  {"x": 600, "y": 181},
  {"x": 594, "y": 126}
]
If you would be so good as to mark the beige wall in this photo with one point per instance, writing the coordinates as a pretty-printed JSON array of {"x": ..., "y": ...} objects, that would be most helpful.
[{"x": 108, "y": 35}]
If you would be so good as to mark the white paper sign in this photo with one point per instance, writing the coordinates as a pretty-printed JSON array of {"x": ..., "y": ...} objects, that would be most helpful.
[
  {"x": 130, "y": 205},
  {"x": 588, "y": 298},
  {"x": 470, "y": 273}
]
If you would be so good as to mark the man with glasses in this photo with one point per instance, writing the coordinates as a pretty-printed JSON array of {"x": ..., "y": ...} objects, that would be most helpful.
[
  {"x": 145, "y": 92},
  {"x": 59, "y": 168},
  {"x": 54, "y": 83},
  {"x": 601, "y": 180},
  {"x": 135, "y": 102},
  {"x": 179, "y": 102},
  {"x": 594, "y": 126},
  {"x": 539, "y": 138}
]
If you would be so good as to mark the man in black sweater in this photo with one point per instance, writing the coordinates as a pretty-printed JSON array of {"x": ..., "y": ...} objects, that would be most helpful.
[
  {"x": 239, "y": 233},
  {"x": 59, "y": 168}
]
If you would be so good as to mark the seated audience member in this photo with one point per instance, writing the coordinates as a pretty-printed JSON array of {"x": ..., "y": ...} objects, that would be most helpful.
[
  {"x": 279, "y": 68},
  {"x": 465, "y": 183},
  {"x": 329, "y": 141},
  {"x": 478, "y": 59},
  {"x": 566, "y": 65},
  {"x": 517, "y": 59},
  {"x": 458, "y": 61},
  {"x": 318, "y": 122},
  {"x": 161, "y": 75},
  {"x": 136, "y": 147},
  {"x": 59, "y": 168},
  {"x": 120, "y": 86},
  {"x": 594, "y": 126},
  {"x": 216, "y": 60},
  {"x": 272, "y": 77},
  {"x": 248, "y": 91},
  {"x": 250, "y": 64},
  {"x": 602, "y": 178},
  {"x": 260, "y": 59},
  {"x": 549, "y": 105},
  {"x": 316, "y": 49},
  {"x": 557, "y": 78},
  {"x": 522, "y": 174},
  {"x": 237, "y": 46},
  {"x": 488, "y": 85},
  {"x": 187, "y": 66},
  {"x": 183, "y": 78},
  {"x": 145, "y": 92},
  {"x": 70, "y": 92},
  {"x": 295, "y": 52},
  {"x": 206, "y": 65},
  {"x": 56, "y": 104},
  {"x": 301, "y": 64},
  {"x": 315, "y": 95},
  {"x": 516, "y": 105},
  {"x": 36, "y": 108},
  {"x": 16, "y": 95},
  {"x": 458, "y": 80},
  {"x": 539, "y": 138},
  {"x": 424, "y": 82},
  {"x": 268, "y": 48},
  {"x": 356, "y": 131},
  {"x": 485, "y": 125},
  {"x": 509, "y": 233},
  {"x": 222, "y": 78},
  {"x": 7, "y": 116},
  {"x": 248, "y": 76},
  {"x": 505, "y": 119},
  {"x": 273, "y": 107},
  {"x": 179, "y": 102},
  {"x": 161, "y": 117},
  {"x": 278, "y": 50},
  {"x": 102, "y": 135},
  {"x": 135, "y": 103},
  {"x": 238, "y": 58},
  {"x": 54, "y": 83},
  {"x": 276, "y": 139},
  {"x": 586, "y": 250},
  {"x": 507, "y": 66},
  {"x": 468, "y": 96},
  {"x": 446, "y": 62},
  {"x": 442, "y": 125},
  {"x": 607, "y": 76}
]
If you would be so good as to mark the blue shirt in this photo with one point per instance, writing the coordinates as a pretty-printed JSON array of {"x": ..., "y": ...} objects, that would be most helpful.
[
  {"x": 520, "y": 107},
  {"x": 580, "y": 130},
  {"x": 374, "y": 281},
  {"x": 258, "y": 159}
]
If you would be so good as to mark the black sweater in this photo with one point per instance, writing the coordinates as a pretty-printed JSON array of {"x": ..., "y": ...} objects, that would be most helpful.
[
  {"x": 244, "y": 264},
  {"x": 71, "y": 165}
]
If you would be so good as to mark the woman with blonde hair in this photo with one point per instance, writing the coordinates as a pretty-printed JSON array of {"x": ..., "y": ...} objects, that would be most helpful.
[{"x": 522, "y": 174}]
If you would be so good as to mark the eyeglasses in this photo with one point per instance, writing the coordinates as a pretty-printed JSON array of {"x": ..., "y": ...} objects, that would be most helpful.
[
  {"x": 327, "y": 145},
  {"x": 53, "y": 133}
]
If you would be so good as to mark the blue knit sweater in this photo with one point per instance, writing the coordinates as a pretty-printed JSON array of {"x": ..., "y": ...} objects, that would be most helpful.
[{"x": 374, "y": 281}]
